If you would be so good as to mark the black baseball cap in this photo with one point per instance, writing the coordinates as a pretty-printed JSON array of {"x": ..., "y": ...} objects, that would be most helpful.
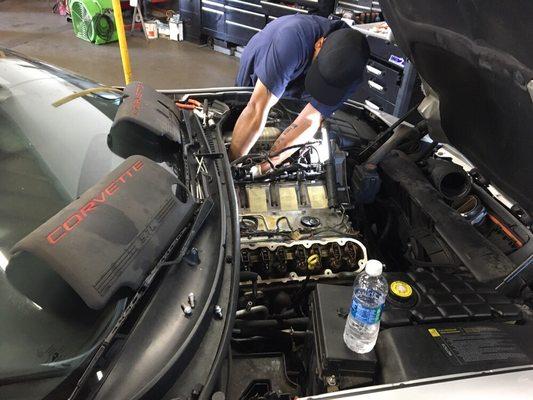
[{"x": 339, "y": 64}]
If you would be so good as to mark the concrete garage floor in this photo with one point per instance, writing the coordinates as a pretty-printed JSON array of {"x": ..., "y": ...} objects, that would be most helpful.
[{"x": 30, "y": 27}]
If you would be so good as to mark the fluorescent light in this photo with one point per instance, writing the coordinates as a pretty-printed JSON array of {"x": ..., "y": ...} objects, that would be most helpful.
[
  {"x": 3, "y": 261},
  {"x": 99, "y": 375},
  {"x": 323, "y": 148},
  {"x": 37, "y": 306}
]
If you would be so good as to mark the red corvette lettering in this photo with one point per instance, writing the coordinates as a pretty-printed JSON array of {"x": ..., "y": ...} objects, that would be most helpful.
[
  {"x": 74, "y": 220},
  {"x": 88, "y": 208},
  {"x": 136, "y": 105},
  {"x": 112, "y": 188},
  {"x": 100, "y": 198},
  {"x": 56, "y": 235},
  {"x": 138, "y": 165}
]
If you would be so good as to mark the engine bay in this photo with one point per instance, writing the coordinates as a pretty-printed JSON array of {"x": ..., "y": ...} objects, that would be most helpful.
[
  {"x": 455, "y": 252},
  {"x": 309, "y": 226}
]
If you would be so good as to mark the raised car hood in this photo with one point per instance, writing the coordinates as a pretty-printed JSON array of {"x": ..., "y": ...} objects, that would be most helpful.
[{"x": 477, "y": 58}]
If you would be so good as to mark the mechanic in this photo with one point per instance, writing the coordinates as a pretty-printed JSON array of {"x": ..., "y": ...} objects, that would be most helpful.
[{"x": 306, "y": 57}]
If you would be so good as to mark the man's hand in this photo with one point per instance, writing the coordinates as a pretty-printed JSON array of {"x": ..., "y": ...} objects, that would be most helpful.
[
  {"x": 252, "y": 121},
  {"x": 300, "y": 131}
]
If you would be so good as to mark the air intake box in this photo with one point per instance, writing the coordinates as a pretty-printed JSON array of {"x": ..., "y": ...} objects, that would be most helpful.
[
  {"x": 415, "y": 352},
  {"x": 108, "y": 238}
]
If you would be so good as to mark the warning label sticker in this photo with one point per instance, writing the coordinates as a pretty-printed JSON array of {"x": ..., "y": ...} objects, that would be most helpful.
[{"x": 477, "y": 344}]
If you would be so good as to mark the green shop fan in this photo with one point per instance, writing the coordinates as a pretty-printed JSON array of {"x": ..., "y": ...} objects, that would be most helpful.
[{"x": 93, "y": 20}]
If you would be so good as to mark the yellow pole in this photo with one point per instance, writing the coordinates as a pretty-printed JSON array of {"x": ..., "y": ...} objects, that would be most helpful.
[{"x": 126, "y": 66}]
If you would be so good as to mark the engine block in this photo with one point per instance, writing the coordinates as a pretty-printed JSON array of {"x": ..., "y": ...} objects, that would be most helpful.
[
  {"x": 300, "y": 258},
  {"x": 288, "y": 231}
]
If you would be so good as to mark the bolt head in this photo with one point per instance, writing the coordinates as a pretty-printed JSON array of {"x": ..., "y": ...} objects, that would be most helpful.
[
  {"x": 191, "y": 299},
  {"x": 187, "y": 310}
]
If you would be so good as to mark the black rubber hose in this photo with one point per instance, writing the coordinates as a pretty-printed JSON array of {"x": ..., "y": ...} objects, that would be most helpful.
[
  {"x": 425, "y": 153},
  {"x": 272, "y": 323},
  {"x": 280, "y": 171},
  {"x": 450, "y": 179},
  {"x": 264, "y": 331},
  {"x": 292, "y": 147}
]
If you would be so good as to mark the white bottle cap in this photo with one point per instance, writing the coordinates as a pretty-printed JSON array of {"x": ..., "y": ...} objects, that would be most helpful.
[{"x": 374, "y": 267}]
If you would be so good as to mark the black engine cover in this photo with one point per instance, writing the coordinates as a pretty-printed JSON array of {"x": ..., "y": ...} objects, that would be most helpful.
[{"x": 106, "y": 239}]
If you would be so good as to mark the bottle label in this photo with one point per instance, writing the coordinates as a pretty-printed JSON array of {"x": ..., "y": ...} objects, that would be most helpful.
[{"x": 365, "y": 315}]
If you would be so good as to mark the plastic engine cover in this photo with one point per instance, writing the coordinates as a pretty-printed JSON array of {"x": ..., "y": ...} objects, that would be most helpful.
[
  {"x": 106, "y": 239},
  {"x": 146, "y": 123}
]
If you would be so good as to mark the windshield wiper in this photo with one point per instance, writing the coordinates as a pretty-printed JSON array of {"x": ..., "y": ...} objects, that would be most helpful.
[{"x": 201, "y": 216}]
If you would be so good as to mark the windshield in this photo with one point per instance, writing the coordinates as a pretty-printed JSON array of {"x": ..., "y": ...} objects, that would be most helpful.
[{"x": 48, "y": 157}]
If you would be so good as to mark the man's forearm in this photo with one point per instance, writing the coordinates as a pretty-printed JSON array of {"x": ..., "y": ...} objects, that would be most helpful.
[
  {"x": 294, "y": 135},
  {"x": 299, "y": 132},
  {"x": 252, "y": 120},
  {"x": 247, "y": 130}
]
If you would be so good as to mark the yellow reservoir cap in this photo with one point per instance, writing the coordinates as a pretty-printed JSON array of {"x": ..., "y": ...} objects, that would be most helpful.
[{"x": 401, "y": 289}]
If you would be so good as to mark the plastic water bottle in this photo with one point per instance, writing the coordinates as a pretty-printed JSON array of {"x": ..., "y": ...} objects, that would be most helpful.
[{"x": 369, "y": 294}]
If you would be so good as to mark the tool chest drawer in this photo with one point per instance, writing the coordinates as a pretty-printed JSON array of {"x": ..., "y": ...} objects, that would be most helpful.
[
  {"x": 382, "y": 72},
  {"x": 364, "y": 96},
  {"x": 213, "y": 16},
  {"x": 382, "y": 81},
  {"x": 239, "y": 33},
  {"x": 360, "y": 5},
  {"x": 279, "y": 10},
  {"x": 241, "y": 19},
  {"x": 214, "y": 3},
  {"x": 250, "y": 5},
  {"x": 386, "y": 51},
  {"x": 248, "y": 18}
]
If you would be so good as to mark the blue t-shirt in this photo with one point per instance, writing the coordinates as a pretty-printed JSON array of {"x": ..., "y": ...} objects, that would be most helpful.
[{"x": 281, "y": 54}]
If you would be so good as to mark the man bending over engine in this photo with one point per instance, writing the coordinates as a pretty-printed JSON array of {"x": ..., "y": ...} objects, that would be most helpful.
[{"x": 304, "y": 57}]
